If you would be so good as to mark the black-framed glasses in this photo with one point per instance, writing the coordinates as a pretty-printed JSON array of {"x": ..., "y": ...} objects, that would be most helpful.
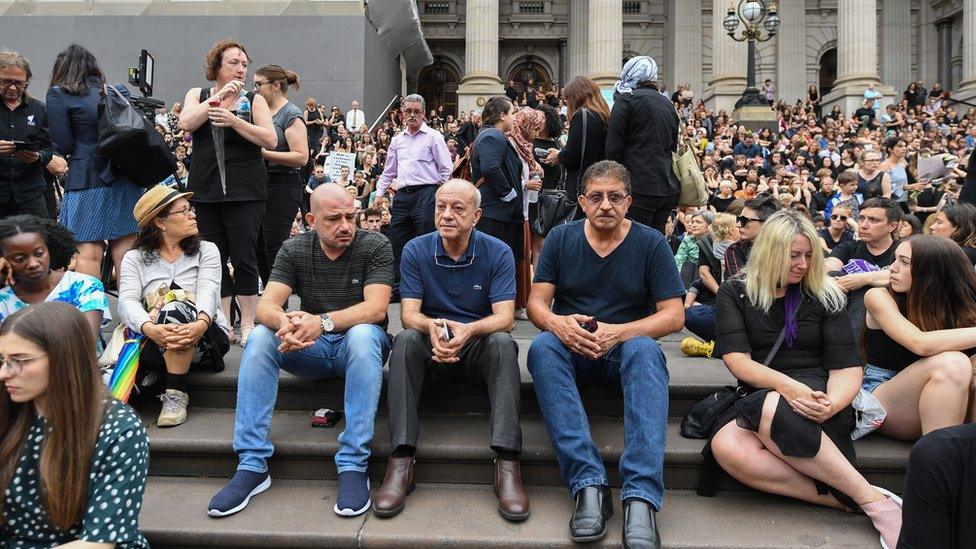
[
  {"x": 16, "y": 365},
  {"x": 744, "y": 220},
  {"x": 615, "y": 199},
  {"x": 6, "y": 83},
  {"x": 257, "y": 85},
  {"x": 838, "y": 217},
  {"x": 187, "y": 211},
  {"x": 455, "y": 266}
]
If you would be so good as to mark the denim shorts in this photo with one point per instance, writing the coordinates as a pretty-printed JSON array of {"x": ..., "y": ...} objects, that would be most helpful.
[{"x": 874, "y": 376}]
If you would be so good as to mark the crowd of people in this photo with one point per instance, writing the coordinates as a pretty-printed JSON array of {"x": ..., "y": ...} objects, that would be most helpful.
[{"x": 837, "y": 249}]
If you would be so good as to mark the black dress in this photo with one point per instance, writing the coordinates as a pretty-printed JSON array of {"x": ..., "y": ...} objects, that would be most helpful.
[
  {"x": 824, "y": 341},
  {"x": 315, "y": 131}
]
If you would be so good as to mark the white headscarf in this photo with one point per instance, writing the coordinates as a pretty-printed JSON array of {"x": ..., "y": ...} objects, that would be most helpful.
[{"x": 639, "y": 69}]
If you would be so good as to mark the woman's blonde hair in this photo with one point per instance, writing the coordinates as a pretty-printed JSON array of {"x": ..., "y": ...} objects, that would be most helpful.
[
  {"x": 769, "y": 263},
  {"x": 723, "y": 227}
]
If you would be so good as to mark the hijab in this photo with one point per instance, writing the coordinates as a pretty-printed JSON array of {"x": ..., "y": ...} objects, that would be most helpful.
[
  {"x": 527, "y": 122},
  {"x": 638, "y": 69}
]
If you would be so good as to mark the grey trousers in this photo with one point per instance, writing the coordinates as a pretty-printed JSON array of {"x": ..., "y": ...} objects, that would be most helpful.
[{"x": 492, "y": 360}]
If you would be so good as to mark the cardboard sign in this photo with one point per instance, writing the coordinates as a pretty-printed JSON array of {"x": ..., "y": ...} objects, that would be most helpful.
[{"x": 336, "y": 161}]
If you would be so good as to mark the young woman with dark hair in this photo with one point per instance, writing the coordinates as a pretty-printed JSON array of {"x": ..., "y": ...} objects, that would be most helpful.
[
  {"x": 230, "y": 203},
  {"x": 920, "y": 336},
  {"x": 958, "y": 222},
  {"x": 583, "y": 99},
  {"x": 169, "y": 291},
  {"x": 98, "y": 200},
  {"x": 73, "y": 460},
  {"x": 37, "y": 251}
]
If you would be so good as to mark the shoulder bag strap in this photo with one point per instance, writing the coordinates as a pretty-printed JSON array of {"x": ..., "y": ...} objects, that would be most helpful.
[
  {"x": 579, "y": 176},
  {"x": 776, "y": 346}
]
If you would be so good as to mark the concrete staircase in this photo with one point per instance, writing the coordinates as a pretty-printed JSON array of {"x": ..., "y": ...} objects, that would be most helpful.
[{"x": 453, "y": 505}]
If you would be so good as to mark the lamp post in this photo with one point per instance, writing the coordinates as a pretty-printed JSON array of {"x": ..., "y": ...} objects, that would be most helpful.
[{"x": 755, "y": 15}]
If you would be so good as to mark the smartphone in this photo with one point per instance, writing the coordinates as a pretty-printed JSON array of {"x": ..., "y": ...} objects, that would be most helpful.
[
  {"x": 446, "y": 333},
  {"x": 541, "y": 153},
  {"x": 24, "y": 146},
  {"x": 590, "y": 326},
  {"x": 937, "y": 182},
  {"x": 324, "y": 417}
]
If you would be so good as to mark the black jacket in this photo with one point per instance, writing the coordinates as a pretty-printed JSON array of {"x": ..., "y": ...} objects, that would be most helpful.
[
  {"x": 465, "y": 136},
  {"x": 642, "y": 135},
  {"x": 571, "y": 155},
  {"x": 28, "y": 122},
  {"x": 495, "y": 159}
]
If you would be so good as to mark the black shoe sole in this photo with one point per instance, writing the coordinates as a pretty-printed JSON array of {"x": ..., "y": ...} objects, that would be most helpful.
[
  {"x": 513, "y": 518},
  {"x": 388, "y": 513},
  {"x": 590, "y": 539}
]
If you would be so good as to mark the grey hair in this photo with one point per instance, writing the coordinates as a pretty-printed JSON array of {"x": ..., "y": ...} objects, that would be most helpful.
[
  {"x": 14, "y": 59},
  {"x": 416, "y": 98},
  {"x": 707, "y": 215},
  {"x": 475, "y": 193}
]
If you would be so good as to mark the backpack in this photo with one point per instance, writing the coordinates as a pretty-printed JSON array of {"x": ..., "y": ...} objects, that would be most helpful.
[{"x": 131, "y": 142}]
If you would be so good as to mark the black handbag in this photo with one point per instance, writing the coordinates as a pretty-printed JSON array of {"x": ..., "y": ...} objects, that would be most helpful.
[
  {"x": 701, "y": 419},
  {"x": 131, "y": 142},
  {"x": 556, "y": 207}
]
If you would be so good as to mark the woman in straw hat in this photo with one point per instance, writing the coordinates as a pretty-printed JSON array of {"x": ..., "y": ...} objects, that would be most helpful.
[{"x": 169, "y": 291}]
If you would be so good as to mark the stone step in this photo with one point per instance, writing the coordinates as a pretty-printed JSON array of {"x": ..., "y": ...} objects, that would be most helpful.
[
  {"x": 452, "y": 449},
  {"x": 298, "y": 514},
  {"x": 690, "y": 380}
]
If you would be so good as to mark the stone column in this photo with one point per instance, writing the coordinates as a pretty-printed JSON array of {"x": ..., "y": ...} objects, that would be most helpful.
[
  {"x": 480, "y": 80},
  {"x": 857, "y": 56},
  {"x": 606, "y": 35},
  {"x": 578, "y": 39},
  {"x": 684, "y": 46},
  {"x": 944, "y": 28},
  {"x": 729, "y": 62},
  {"x": 896, "y": 38},
  {"x": 791, "y": 51},
  {"x": 967, "y": 88}
]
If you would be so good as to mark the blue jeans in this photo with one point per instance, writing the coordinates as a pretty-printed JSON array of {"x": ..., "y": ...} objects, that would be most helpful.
[
  {"x": 637, "y": 366},
  {"x": 875, "y": 376},
  {"x": 357, "y": 355},
  {"x": 700, "y": 320}
]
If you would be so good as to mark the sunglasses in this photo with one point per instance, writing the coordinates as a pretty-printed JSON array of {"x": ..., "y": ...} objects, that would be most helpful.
[
  {"x": 744, "y": 220},
  {"x": 838, "y": 217}
]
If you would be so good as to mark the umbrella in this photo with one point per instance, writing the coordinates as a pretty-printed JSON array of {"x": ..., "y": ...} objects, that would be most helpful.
[{"x": 124, "y": 376}]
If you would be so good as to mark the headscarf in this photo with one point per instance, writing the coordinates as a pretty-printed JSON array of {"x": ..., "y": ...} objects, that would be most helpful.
[
  {"x": 639, "y": 69},
  {"x": 527, "y": 122}
]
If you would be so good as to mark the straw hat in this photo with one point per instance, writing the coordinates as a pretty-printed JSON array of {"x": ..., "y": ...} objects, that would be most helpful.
[{"x": 155, "y": 201}]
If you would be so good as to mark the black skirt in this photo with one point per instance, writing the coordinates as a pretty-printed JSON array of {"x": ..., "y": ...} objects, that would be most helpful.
[{"x": 510, "y": 233}]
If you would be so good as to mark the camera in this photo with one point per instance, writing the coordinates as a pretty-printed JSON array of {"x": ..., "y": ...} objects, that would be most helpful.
[{"x": 142, "y": 77}]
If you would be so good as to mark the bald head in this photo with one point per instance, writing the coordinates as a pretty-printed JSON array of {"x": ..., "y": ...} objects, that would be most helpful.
[
  {"x": 330, "y": 196},
  {"x": 461, "y": 187}
]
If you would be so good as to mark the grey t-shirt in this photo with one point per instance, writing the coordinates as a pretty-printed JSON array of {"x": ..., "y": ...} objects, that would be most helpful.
[
  {"x": 324, "y": 285},
  {"x": 282, "y": 119}
]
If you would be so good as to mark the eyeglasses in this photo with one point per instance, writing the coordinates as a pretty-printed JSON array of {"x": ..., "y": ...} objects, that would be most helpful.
[
  {"x": 187, "y": 211},
  {"x": 408, "y": 112},
  {"x": 615, "y": 199},
  {"x": 743, "y": 220},
  {"x": 5, "y": 83},
  {"x": 257, "y": 85},
  {"x": 455, "y": 266},
  {"x": 16, "y": 365},
  {"x": 838, "y": 217}
]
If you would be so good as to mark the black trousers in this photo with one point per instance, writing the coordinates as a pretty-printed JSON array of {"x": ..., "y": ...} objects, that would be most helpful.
[
  {"x": 412, "y": 215},
  {"x": 234, "y": 228},
  {"x": 284, "y": 200},
  {"x": 652, "y": 211},
  {"x": 940, "y": 491},
  {"x": 34, "y": 206},
  {"x": 492, "y": 361}
]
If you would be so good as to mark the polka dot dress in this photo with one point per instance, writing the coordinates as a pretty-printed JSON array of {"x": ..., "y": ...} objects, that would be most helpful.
[{"x": 116, "y": 485}]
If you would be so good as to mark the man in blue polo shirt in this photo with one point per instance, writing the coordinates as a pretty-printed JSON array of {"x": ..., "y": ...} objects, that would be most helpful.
[{"x": 457, "y": 290}]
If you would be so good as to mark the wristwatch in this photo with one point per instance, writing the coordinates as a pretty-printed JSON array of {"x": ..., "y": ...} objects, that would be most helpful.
[{"x": 327, "y": 324}]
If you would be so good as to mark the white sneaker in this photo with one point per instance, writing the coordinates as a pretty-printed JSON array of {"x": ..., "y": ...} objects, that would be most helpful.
[{"x": 174, "y": 408}]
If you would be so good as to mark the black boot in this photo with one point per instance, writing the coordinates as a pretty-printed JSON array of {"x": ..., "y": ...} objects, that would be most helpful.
[
  {"x": 640, "y": 525},
  {"x": 594, "y": 507}
]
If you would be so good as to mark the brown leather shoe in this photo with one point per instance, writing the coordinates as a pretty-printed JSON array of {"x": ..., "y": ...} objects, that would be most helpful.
[
  {"x": 513, "y": 502},
  {"x": 397, "y": 484}
]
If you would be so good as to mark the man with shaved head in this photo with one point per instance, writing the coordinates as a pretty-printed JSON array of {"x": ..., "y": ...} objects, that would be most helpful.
[
  {"x": 343, "y": 277},
  {"x": 457, "y": 291}
]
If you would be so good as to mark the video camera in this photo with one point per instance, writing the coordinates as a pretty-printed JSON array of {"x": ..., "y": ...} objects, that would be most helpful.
[{"x": 142, "y": 77}]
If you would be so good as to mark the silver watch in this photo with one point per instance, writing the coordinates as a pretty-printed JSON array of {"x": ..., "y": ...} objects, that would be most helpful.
[{"x": 327, "y": 324}]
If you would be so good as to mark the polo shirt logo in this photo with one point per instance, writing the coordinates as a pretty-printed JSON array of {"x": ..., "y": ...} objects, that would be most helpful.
[
  {"x": 355, "y": 281},
  {"x": 476, "y": 287},
  {"x": 30, "y": 120}
]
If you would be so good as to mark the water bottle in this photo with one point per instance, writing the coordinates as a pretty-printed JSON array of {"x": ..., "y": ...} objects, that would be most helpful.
[
  {"x": 533, "y": 196},
  {"x": 244, "y": 107}
]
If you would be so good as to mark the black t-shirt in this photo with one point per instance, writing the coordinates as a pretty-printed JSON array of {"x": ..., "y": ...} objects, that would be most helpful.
[
  {"x": 927, "y": 199},
  {"x": 862, "y": 112},
  {"x": 970, "y": 253},
  {"x": 845, "y": 236},
  {"x": 857, "y": 249},
  {"x": 720, "y": 204}
]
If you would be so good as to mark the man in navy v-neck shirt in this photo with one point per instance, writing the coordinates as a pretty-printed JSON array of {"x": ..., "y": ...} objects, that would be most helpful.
[{"x": 618, "y": 278}]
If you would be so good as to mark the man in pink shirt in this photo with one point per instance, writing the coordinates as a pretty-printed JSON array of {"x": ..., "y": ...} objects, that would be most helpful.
[{"x": 419, "y": 160}]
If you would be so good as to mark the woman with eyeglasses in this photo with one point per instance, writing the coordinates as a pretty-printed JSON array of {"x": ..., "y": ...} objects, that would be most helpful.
[
  {"x": 230, "y": 202},
  {"x": 838, "y": 231},
  {"x": 284, "y": 163},
  {"x": 73, "y": 460},
  {"x": 872, "y": 182},
  {"x": 37, "y": 251},
  {"x": 170, "y": 293},
  {"x": 97, "y": 198}
]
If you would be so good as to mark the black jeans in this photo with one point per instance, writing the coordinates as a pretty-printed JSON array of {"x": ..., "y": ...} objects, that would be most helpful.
[
  {"x": 234, "y": 228},
  {"x": 652, "y": 211},
  {"x": 284, "y": 199},
  {"x": 34, "y": 206},
  {"x": 412, "y": 216},
  {"x": 492, "y": 360}
]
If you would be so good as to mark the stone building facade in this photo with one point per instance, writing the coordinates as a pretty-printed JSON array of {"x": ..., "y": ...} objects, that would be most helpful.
[{"x": 837, "y": 45}]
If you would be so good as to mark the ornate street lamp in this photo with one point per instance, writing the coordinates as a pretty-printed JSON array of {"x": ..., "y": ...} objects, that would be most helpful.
[{"x": 755, "y": 15}]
